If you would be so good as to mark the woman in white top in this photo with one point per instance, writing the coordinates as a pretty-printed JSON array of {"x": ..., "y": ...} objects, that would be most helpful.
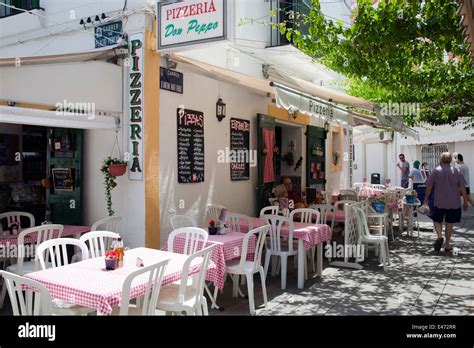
[{"x": 415, "y": 174}]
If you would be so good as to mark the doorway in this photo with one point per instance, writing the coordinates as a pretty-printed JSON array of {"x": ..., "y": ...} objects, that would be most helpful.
[{"x": 285, "y": 160}]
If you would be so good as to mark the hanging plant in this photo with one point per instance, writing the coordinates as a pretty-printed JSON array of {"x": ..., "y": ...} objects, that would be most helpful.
[{"x": 111, "y": 168}]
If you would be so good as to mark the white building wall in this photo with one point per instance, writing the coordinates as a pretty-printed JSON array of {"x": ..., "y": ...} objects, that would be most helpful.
[
  {"x": 39, "y": 35},
  {"x": 466, "y": 148},
  {"x": 201, "y": 94}
]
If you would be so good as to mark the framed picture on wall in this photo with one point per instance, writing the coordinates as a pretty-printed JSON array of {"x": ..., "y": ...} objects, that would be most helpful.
[{"x": 63, "y": 179}]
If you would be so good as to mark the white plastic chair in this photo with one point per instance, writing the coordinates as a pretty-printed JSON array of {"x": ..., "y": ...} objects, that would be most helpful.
[
  {"x": 327, "y": 215},
  {"x": 378, "y": 187},
  {"x": 185, "y": 298},
  {"x": 149, "y": 300},
  {"x": 378, "y": 222},
  {"x": 56, "y": 249},
  {"x": 98, "y": 242},
  {"x": 366, "y": 238},
  {"x": 240, "y": 267},
  {"x": 343, "y": 203},
  {"x": 235, "y": 220},
  {"x": 348, "y": 192},
  {"x": 21, "y": 267},
  {"x": 23, "y": 297},
  {"x": 277, "y": 247},
  {"x": 107, "y": 224},
  {"x": 270, "y": 210},
  {"x": 195, "y": 238},
  {"x": 307, "y": 216},
  {"x": 42, "y": 233},
  {"x": 15, "y": 217},
  {"x": 178, "y": 221},
  {"x": 213, "y": 211}
]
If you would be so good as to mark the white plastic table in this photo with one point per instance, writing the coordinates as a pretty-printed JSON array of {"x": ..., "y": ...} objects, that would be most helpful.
[{"x": 88, "y": 284}]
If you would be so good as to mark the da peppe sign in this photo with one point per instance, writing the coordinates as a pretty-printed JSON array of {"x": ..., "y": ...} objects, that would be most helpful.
[
  {"x": 190, "y": 22},
  {"x": 136, "y": 107}
]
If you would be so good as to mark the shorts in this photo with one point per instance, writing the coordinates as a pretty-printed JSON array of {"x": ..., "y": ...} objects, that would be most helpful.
[
  {"x": 450, "y": 216},
  {"x": 404, "y": 183}
]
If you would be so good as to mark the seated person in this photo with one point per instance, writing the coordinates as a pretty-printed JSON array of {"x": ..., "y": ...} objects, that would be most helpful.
[{"x": 293, "y": 198}]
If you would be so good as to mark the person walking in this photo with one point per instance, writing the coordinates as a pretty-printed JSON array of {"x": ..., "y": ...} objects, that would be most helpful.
[
  {"x": 417, "y": 180},
  {"x": 404, "y": 167},
  {"x": 447, "y": 205},
  {"x": 464, "y": 170}
]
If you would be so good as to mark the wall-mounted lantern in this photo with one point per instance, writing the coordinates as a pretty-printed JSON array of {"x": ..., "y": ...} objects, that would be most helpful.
[{"x": 220, "y": 109}]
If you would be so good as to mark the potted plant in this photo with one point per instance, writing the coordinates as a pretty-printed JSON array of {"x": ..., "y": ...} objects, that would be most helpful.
[
  {"x": 111, "y": 258},
  {"x": 410, "y": 196},
  {"x": 111, "y": 168},
  {"x": 212, "y": 228},
  {"x": 378, "y": 203}
]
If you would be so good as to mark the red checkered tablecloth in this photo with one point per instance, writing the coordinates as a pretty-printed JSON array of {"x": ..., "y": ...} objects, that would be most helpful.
[
  {"x": 370, "y": 193},
  {"x": 88, "y": 284},
  {"x": 312, "y": 234},
  {"x": 229, "y": 247},
  {"x": 68, "y": 231}
]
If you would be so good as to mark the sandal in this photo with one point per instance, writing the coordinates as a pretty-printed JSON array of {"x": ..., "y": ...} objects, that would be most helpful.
[
  {"x": 438, "y": 244},
  {"x": 447, "y": 250}
]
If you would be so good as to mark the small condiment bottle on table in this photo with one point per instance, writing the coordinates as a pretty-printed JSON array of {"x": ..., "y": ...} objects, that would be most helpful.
[
  {"x": 14, "y": 228},
  {"x": 119, "y": 250}
]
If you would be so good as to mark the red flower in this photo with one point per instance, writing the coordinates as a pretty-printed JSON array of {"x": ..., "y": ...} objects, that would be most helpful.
[
  {"x": 111, "y": 254},
  {"x": 212, "y": 223}
]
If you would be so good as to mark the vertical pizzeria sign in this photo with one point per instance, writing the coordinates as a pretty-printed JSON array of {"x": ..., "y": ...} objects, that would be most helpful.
[
  {"x": 136, "y": 111},
  {"x": 184, "y": 23}
]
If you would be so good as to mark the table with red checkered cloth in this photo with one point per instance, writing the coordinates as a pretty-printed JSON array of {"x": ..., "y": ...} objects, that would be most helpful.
[
  {"x": 370, "y": 193},
  {"x": 229, "y": 247},
  {"x": 88, "y": 284},
  {"x": 312, "y": 234},
  {"x": 68, "y": 231}
]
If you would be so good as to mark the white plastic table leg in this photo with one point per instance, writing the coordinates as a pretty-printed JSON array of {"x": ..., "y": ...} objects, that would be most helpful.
[
  {"x": 319, "y": 266},
  {"x": 213, "y": 300},
  {"x": 301, "y": 259}
]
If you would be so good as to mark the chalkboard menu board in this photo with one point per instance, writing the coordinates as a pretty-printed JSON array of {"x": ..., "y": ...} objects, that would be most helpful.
[
  {"x": 239, "y": 149},
  {"x": 62, "y": 179},
  {"x": 190, "y": 146}
]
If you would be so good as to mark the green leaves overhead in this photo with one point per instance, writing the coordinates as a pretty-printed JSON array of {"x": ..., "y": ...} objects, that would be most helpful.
[{"x": 400, "y": 51}]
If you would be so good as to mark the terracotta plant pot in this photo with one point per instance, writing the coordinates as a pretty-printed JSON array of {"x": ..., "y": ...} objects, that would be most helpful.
[{"x": 117, "y": 169}]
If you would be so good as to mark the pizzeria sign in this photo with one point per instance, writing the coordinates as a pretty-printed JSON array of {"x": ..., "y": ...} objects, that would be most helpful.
[{"x": 186, "y": 23}]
